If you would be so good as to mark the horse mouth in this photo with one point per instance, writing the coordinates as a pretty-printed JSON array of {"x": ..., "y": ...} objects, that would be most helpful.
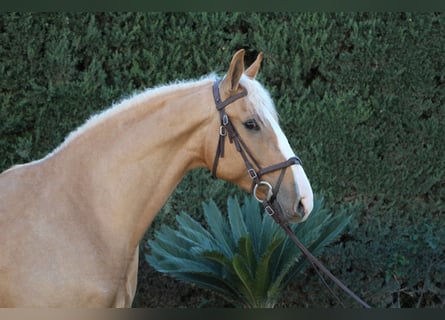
[{"x": 297, "y": 215}]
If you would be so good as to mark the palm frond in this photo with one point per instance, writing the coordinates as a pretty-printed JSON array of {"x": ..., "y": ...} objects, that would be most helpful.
[
  {"x": 237, "y": 224},
  {"x": 219, "y": 228},
  {"x": 263, "y": 274},
  {"x": 245, "y": 275},
  {"x": 246, "y": 257}
]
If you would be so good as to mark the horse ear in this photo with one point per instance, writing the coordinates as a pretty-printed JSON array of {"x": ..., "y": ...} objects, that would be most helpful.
[
  {"x": 230, "y": 82},
  {"x": 252, "y": 71}
]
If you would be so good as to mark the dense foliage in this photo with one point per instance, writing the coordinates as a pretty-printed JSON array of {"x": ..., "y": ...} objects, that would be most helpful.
[{"x": 361, "y": 98}]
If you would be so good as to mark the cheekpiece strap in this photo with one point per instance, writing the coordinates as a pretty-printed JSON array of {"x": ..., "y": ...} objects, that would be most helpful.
[{"x": 222, "y": 104}]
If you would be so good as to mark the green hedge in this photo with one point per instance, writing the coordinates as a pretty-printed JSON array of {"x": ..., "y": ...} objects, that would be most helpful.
[{"x": 361, "y": 98}]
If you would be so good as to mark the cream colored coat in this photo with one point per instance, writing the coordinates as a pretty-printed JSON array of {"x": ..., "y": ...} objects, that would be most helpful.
[{"x": 70, "y": 224}]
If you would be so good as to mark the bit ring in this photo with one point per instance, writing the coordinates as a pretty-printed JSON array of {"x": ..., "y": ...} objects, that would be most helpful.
[{"x": 269, "y": 191}]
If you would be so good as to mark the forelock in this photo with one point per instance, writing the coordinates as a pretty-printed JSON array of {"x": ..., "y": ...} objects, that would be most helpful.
[{"x": 260, "y": 99}]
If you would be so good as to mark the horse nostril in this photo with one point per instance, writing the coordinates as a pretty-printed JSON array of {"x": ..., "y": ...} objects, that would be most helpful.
[{"x": 299, "y": 209}]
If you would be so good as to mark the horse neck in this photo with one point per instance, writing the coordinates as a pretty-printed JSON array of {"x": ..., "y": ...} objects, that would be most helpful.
[{"x": 126, "y": 166}]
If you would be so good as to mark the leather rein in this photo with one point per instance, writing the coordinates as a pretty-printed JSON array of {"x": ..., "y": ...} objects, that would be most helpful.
[{"x": 227, "y": 129}]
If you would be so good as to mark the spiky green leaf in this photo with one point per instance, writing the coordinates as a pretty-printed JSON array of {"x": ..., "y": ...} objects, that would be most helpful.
[
  {"x": 246, "y": 258},
  {"x": 219, "y": 228},
  {"x": 263, "y": 273},
  {"x": 237, "y": 224}
]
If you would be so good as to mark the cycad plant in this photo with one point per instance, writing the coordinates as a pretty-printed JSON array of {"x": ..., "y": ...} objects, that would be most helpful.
[{"x": 247, "y": 258}]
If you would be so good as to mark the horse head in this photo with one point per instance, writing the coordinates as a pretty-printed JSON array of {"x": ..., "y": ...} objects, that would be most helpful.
[{"x": 252, "y": 150}]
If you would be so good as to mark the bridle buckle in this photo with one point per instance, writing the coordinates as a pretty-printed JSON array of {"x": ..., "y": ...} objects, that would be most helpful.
[
  {"x": 225, "y": 119},
  {"x": 252, "y": 173},
  {"x": 222, "y": 131},
  {"x": 269, "y": 210}
]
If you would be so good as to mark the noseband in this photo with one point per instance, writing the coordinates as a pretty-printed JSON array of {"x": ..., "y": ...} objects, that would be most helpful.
[{"x": 254, "y": 170}]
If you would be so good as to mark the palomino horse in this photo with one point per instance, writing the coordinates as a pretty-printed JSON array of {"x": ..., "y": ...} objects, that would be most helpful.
[{"x": 70, "y": 223}]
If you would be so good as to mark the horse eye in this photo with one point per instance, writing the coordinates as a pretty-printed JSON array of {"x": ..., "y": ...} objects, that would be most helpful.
[{"x": 252, "y": 125}]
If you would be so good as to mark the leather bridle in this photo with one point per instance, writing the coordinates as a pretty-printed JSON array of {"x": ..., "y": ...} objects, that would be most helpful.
[
  {"x": 227, "y": 129},
  {"x": 254, "y": 170}
]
